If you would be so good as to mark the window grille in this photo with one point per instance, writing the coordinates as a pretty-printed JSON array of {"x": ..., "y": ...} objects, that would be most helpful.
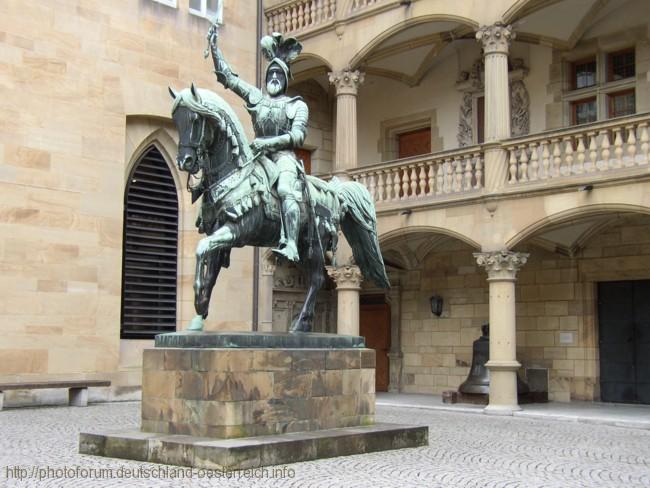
[{"x": 150, "y": 249}]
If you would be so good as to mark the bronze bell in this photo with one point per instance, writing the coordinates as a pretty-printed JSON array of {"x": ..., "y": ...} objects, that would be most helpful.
[{"x": 478, "y": 380}]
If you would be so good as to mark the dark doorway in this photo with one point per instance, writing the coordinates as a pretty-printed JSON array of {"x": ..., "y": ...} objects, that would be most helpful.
[
  {"x": 624, "y": 339},
  {"x": 374, "y": 325}
]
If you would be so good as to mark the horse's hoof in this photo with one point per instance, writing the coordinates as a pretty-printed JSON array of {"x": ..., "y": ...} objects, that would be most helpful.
[{"x": 196, "y": 324}]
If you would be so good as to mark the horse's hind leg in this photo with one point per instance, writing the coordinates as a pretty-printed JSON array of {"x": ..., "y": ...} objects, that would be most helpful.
[{"x": 314, "y": 270}]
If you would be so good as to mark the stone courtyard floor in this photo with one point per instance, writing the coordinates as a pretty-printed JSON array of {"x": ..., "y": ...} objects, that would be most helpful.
[{"x": 38, "y": 447}]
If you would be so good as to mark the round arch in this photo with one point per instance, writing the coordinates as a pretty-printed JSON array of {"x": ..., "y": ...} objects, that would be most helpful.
[
  {"x": 521, "y": 8},
  {"x": 571, "y": 214},
  {"x": 425, "y": 229},
  {"x": 395, "y": 29},
  {"x": 306, "y": 56}
]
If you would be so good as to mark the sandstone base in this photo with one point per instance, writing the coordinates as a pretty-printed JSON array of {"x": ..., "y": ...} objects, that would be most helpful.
[
  {"x": 251, "y": 452},
  {"x": 245, "y": 404},
  {"x": 244, "y": 392}
]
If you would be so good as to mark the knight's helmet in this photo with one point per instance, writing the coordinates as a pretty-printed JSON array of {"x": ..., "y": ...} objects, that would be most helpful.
[{"x": 280, "y": 51}]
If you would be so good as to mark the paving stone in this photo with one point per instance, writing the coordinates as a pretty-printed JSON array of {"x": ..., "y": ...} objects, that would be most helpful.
[{"x": 465, "y": 450}]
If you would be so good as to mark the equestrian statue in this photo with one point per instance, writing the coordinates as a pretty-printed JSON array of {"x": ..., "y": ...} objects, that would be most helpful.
[{"x": 257, "y": 194}]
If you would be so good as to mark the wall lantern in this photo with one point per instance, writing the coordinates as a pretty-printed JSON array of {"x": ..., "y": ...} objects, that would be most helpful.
[{"x": 436, "y": 305}]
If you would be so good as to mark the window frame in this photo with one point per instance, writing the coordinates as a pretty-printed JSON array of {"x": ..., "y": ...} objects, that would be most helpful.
[
  {"x": 574, "y": 112},
  {"x": 168, "y": 3},
  {"x": 610, "y": 65},
  {"x": 574, "y": 75},
  {"x": 610, "y": 101},
  {"x": 602, "y": 90},
  {"x": 204, "y": 11}
]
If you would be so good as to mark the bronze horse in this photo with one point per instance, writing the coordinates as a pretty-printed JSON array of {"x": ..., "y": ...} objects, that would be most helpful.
[{"x": 239, "y": 207}]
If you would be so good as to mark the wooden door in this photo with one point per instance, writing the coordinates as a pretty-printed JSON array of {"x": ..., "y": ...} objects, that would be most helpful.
[
  {"x": 305, "y": 156},
  {"x": 374, "y": 325},
  {"x": 414, "y": 143}
]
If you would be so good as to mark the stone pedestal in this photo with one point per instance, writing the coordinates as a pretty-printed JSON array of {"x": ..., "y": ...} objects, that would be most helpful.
[
  {"x": 233, "y": 400},
  {"x": 229, "y": 393}
]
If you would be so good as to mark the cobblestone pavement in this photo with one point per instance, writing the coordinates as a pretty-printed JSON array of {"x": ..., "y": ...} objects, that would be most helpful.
[{"x": 464, "y": 451}]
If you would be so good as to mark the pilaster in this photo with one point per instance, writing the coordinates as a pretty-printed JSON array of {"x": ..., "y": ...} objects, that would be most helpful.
[{"x": 267, "y": 270}]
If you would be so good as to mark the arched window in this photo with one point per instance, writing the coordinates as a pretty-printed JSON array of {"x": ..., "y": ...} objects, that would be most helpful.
[{"x": 150, "y": 249}]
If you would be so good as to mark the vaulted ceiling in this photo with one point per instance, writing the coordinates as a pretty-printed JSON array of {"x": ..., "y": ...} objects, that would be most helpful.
[{"x": 408, "y": 54}]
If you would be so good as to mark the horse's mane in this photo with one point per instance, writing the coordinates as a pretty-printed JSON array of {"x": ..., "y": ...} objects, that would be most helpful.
[{"x": 211, "y": 105}]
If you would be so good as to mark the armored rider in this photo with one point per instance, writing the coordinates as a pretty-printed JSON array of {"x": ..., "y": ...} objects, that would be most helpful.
[{"x": 280, "y": 124}]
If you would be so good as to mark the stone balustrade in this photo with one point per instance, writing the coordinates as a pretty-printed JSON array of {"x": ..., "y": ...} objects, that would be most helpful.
[
  {"x": 361, "y": 4},
  {"x": 424, "y": 177},
  {"x": 591, "y": 148},
  {"x": 299, "y": 15},
  {"x": 303, "y": 16}
]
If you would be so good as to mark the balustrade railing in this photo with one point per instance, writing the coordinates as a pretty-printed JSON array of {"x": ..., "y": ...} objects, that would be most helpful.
[
  {"x": 425, "y": 177},
  {"x": 298, "y": 15},
  {"x": 594, "y": 148},
  {"x": 360, "y": 4}
]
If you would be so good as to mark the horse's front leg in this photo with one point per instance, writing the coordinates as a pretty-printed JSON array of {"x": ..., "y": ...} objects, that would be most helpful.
[{"x": 208, "y": 264}]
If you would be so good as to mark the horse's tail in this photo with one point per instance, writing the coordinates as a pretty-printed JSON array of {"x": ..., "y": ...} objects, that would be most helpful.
[{"x": 359, "y": 225}]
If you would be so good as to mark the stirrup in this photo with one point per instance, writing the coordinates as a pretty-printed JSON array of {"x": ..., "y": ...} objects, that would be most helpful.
[{"x": 286, "y": 253}]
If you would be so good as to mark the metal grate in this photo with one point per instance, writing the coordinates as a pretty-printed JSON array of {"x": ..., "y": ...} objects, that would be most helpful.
[{"x": 149, "y": 257}]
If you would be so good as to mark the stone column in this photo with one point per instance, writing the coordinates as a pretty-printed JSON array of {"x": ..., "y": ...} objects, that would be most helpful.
[
  {"x": 395, "y": 355},
  {"x": 266, "y": 294},
  {"x": 496, "y": 42},
  {"x": 502, "y": 267},
  {"x": 347, "y": 85},
  {"x": 348, "y": 284}
]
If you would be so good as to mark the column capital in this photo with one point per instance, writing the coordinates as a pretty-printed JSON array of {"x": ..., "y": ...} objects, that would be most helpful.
[
  {"x": 346, "y": 82},
  {"x": 501, "y": 265},
  {"x": 268, "y": 267},
  {"x": 347, "y": 277},
  {"x": 495, "y": 38}
]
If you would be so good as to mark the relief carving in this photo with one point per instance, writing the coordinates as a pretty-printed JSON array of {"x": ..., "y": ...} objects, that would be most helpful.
[{"x": 519, "y": 109}]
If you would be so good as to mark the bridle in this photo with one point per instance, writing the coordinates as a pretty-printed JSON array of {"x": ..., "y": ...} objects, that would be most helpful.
[{"x": 198, "y": 144}]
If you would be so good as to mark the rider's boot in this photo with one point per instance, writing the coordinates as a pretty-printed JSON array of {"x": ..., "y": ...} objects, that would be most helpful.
[{"x": 291, "y": 219}]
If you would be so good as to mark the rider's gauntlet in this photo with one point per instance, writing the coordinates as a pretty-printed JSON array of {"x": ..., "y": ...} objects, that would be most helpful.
[{"x": 278, "y": 143}]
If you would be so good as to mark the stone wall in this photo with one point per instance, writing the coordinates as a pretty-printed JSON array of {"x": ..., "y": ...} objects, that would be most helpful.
[{"x": 84, "y": 84}]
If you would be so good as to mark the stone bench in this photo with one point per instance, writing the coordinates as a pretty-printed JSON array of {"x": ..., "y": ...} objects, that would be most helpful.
[{"x": 77, "y": 395}]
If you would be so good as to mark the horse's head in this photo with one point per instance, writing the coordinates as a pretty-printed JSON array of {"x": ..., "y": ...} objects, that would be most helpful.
[{"x": 195, "y": 132}]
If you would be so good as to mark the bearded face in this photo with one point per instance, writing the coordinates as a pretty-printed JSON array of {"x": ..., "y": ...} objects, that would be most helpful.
[{"x": 276, "y": 82}]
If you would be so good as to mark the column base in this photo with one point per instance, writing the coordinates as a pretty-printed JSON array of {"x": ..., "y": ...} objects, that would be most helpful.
[{"x": 503, "y": 410}]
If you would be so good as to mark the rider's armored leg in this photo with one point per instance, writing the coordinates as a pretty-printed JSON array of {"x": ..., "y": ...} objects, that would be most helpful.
[{"x": 290, "y": 215}]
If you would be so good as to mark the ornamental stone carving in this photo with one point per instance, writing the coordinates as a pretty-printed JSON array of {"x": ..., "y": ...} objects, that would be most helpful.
[
  {"x": 519, "y": 109},
  {"x": 501, "y": 265},
  {"x": 347, "y": 82},
  {"x": 465, "y": 122},
  {"x": 495, "y": 38},
  {"x": 347, "y": 277}
]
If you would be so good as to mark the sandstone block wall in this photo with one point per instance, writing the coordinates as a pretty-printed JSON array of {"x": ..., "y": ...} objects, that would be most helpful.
[{"x": 84, "y": 88}]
